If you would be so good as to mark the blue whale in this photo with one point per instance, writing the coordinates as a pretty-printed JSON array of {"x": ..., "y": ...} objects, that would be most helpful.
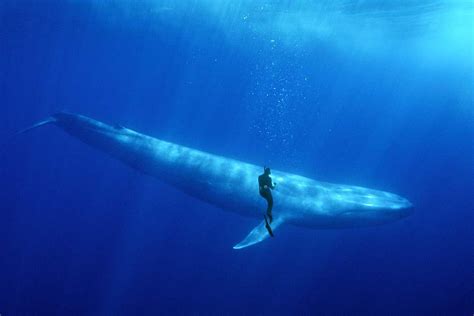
[{"x": 232, "y": 185}]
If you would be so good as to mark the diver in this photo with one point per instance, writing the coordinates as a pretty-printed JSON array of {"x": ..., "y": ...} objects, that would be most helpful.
[{"x": 265, "y": 185}]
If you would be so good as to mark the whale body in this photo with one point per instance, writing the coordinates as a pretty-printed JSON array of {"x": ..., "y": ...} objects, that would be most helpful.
[{"x": 232, "y": 185}]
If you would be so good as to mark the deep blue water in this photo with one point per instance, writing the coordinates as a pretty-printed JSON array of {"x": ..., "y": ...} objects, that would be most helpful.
[{"x": 362, "y": 93}]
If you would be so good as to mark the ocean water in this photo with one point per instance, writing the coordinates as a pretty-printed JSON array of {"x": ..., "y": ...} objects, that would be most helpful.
[{"x": 371, "y": 93}]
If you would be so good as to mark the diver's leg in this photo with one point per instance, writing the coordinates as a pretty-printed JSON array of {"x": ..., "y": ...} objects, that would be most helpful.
[
  {"x": 269, "y": 199},
  {"x": 268, "y": 227}
]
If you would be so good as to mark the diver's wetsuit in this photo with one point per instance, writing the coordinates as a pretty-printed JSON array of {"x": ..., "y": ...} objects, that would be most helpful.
[{"x": 266, "y": 193}]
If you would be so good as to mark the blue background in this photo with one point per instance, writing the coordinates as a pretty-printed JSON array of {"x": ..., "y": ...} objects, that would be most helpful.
[{"x": 364, "y": 94}]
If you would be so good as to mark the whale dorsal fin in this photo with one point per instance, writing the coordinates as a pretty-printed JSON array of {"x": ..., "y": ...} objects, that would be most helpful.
[{"x": 258, "y": 234}]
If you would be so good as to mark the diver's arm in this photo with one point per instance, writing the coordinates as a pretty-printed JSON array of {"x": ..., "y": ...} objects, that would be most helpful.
[{"x": 272, "y": 184}]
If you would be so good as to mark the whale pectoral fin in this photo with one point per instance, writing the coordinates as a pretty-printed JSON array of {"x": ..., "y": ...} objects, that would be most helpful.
[{"x": 258, "y": 234}]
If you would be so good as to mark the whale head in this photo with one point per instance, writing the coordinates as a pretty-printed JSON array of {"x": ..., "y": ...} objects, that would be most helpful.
[
  {"x": 364, "y": 207},
  {"x": 390, "y": 206}
]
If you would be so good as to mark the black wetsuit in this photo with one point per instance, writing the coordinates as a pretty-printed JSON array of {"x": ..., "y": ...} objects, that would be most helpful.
[{"x": 266, "y": 193}]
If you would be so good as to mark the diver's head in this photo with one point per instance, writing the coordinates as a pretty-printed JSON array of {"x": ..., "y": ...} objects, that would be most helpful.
[{"x": 266, "y": 170}]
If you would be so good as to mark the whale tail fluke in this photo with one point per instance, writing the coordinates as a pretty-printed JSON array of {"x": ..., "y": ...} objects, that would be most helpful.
[
  {"x": 49, "y": 120},
  {"x": 5, "y": 143}
]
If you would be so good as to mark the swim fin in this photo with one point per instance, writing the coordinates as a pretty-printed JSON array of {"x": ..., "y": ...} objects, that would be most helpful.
[{"x": 267, "y": 226}]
